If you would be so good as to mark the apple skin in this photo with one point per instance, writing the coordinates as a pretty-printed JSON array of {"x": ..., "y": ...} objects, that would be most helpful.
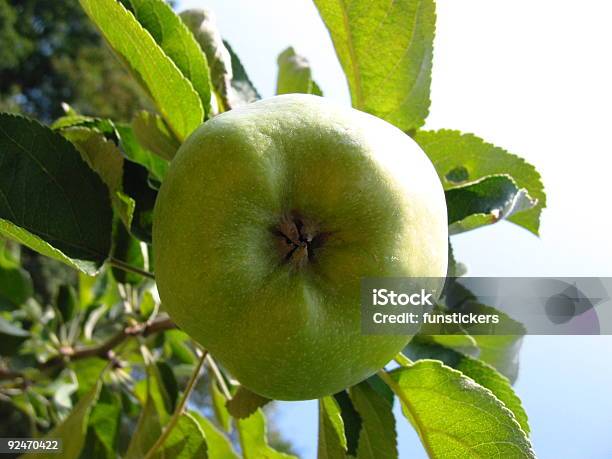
[{"x": 286, "y": 323}]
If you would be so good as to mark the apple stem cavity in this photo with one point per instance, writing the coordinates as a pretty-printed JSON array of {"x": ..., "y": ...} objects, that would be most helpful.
[{"x": 298, "y": 239}]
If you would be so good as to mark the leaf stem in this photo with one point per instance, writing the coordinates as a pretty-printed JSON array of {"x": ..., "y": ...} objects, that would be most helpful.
[
  {"x": 129, "y": 268},
  {"x": 179, "y": 408},
  {"x": 218, "y": 376},
  {"x": 402, "y": 360}
]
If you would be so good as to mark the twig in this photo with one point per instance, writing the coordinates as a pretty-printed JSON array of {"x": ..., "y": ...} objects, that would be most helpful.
[
  {"x": 129, "y": 268},
  {"x": 180, "y": 408},
  {"x": 100, "y": 350}
]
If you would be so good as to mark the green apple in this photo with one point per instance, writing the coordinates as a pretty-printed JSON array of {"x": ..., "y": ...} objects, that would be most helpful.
[{"x": 269, "y": 217}]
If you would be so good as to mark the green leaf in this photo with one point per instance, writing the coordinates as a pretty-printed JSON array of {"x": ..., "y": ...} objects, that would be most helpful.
[
  {"x": 332, "y": 439},
  {"x": 186, "y": 441},
  {"x": 253, "y": 438},
  {"x": 203, "y": 26},
  {"x": 352, "y": 421},
  {"x": 136, "y": 153},
  {"x": 72, "y": 430},
  {"x": 11, "y": 337},
  {"x": 485, "y": 202},
  {"x": 103, "y": 126},
  {"x": 244, "y": 403},
  {"x": 50, "y": 200},
  {"x": 170, "y": 386},
  {"x": 89, "y": 372},
  {"x": 219, "y": 446},
  {"x": 454, "y": 416},
  {"x": 377, "y": 437},
  {"x": 127, "y": 249},
  {"x": 460, "y": 159},
  {"x": 152, "y": 134},
  {"x": 294, "y": 74},
  {"x": 386, "y": 51},
  {"x": 481, "y": 372},
  {"x": 147, "y": 431},
  {"x": 176, "y": 344},
  {"x": 15, "y": 283},
  {"x": 67, "y": 302},
  {"x": 103, "y": 427},
  {"x": 178, "y": 44},
  {"x": 137, "y": 187},
  {"x": 155, "y": 413},
  {"x": 244, "y": 91},
  {"x": 174, "y": 95}
]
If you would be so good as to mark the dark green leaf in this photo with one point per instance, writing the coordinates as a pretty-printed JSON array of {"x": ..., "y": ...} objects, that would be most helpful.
[
  {"x": 11, "y": 337},
  {"x": 127, "y": 249},
  {"x": 136, "y": 186},
  {"x": 294, "y": 74},
  {"x": 244, "y": 403},
  {"x": 454, "y": 416},
  {"x": 66, "y": 302},
  {"x": 460, "y": 159},
  {"x": 15, "y": 283},
  {"x": 171, "y": 388},
  {"x": 152, "y": 134},
  {"x": 51, "y": 201},
  {"x": 377, "y": 437},
  {"x": 386, "y": 51},
  {"x": 352, "y": 421},
  {"x": 174, "y": 95},
  {"x": 136, "y": 153},
  {"x": 484, "y": 202},
  {"x": 381, "y": 388}
]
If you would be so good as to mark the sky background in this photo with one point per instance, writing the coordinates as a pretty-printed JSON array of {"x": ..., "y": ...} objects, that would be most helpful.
[{"x": 534, "y": 78}]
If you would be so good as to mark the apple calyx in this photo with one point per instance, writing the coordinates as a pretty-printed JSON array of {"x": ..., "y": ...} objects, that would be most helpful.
[{"x": 298, "y": 239}]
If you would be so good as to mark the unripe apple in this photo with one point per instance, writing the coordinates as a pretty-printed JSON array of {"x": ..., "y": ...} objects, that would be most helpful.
[{"x": 269, "y": 217}]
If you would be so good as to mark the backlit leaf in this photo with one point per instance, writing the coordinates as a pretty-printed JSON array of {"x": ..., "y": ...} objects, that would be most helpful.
[
  {"x": 454, "y": 416},
  {"x": 386, "y": 51},
  {"x": 172, "y": 92},
  {"x": 178, "y": 43},
  {"x": 461, "y": 159}
]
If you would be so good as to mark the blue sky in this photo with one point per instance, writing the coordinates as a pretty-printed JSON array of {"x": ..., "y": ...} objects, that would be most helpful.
[{"x": 532, "y": 77}]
